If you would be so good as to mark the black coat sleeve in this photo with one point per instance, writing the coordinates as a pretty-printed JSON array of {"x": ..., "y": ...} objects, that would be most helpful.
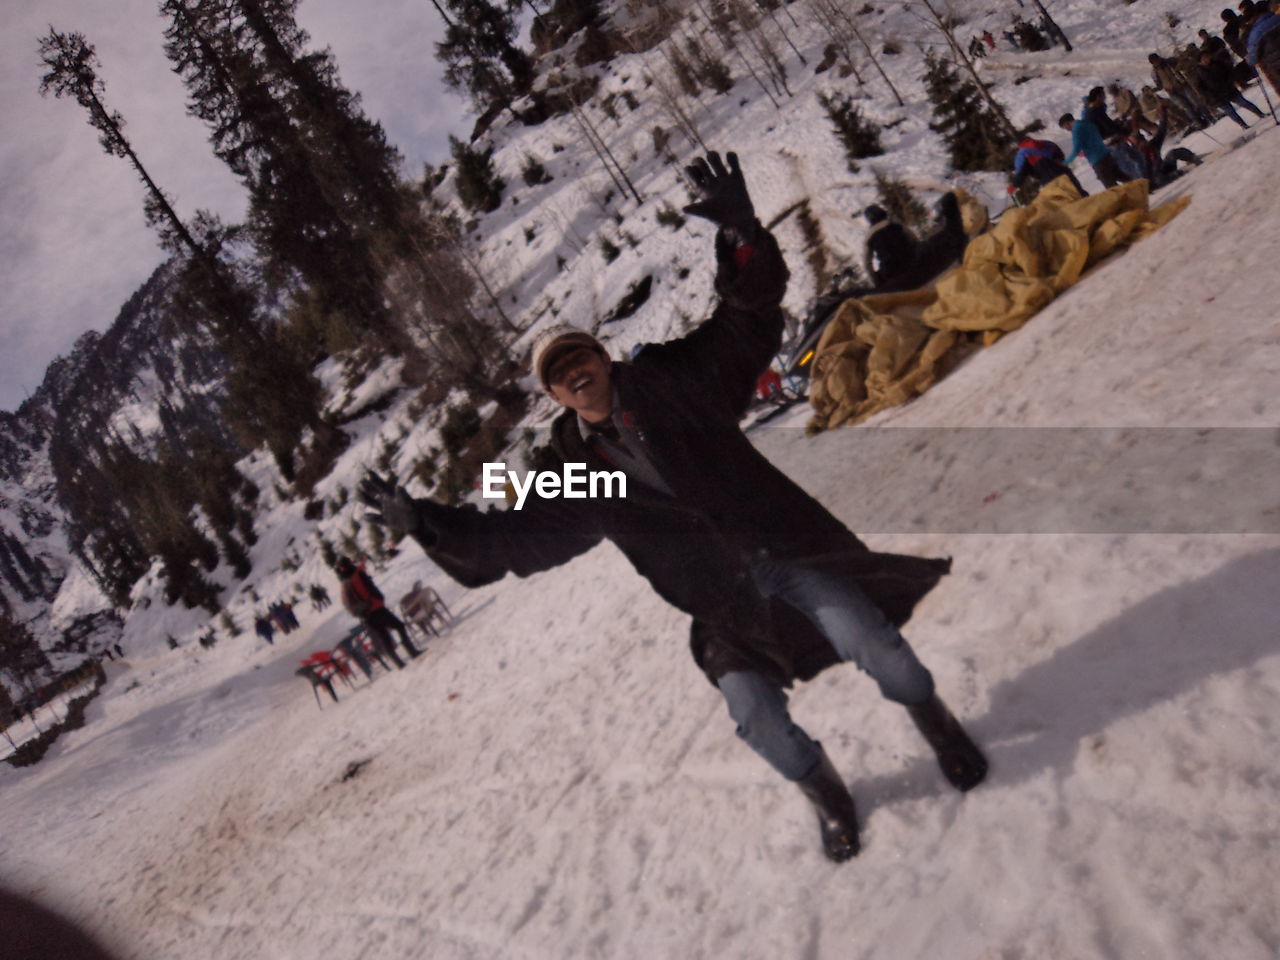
[
  {"x": 727, "y": 353},
  {"x": 477, "y": 548}
]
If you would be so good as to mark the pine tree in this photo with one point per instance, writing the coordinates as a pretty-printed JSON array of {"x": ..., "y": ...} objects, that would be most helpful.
[
  {"x": 480, "y": 54},
  {"x": 479, "y": 186},
  {"x": 338, "y": 230},
  {"x": 73, "y": 72},
  {"x": 860, "y": 136},
  {"x": 320, "y": 176},
  {"x": 976, "y": 137},
  {"x": 22, "y": 660},
  {"x": 901, "y": 204},
  {"x": 207, "y": 288}
]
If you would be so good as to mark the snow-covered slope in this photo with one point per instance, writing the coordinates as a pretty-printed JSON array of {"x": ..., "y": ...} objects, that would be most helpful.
[{"x": 555, "y": 779}]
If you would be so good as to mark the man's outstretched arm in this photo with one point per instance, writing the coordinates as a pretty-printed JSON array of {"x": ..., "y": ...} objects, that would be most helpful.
[
  {"x": 477, "y": 548},
  {"x": 744, "y": 333}
]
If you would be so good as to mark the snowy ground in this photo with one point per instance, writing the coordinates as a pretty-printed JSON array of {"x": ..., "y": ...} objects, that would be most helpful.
[{"x": 555, "y": 779}]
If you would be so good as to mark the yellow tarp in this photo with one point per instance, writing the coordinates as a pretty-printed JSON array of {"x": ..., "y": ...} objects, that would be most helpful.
[{"x": 883, "y": 350}]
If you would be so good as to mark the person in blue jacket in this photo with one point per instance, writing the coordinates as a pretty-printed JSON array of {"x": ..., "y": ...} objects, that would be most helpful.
[
  {"x": 1263, "y": 47},
  {"x": 1043, "y": 160},
  {"x": 1086, "y": 139}
]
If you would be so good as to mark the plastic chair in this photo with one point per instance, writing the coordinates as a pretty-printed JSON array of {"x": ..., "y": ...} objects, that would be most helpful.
[
  {"x": 313, "y": 674},
  {"x": 423, "y": 610}
]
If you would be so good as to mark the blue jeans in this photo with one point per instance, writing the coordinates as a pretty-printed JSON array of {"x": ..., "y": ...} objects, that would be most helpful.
[{"x": 858, "y": 632}]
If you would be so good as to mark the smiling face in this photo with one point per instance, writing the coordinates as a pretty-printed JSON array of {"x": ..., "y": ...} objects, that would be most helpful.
[{"x": 579, "y": 379}]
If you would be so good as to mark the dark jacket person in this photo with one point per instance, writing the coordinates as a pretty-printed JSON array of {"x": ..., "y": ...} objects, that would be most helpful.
[
  {"x": 889, "y": 250},
  {"x": 777, "y": 586}
]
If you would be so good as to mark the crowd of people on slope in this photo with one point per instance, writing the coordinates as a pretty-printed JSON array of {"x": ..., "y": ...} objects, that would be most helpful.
[
  {"x": 1020, "y": 35},
  {"x": 360, "y": 597},
  {"x": 1189, "y": 91},
  {"x": 279, "y": 616}
]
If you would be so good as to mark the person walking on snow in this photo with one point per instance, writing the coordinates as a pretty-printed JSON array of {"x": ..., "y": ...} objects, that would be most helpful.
[
  {"x": 1042, "y": 159},
  {"x": 1086, "y": 139},
  {"x": 364, "y": 601},
  {"x": 1221, "y": 90},
  {"x": 777, "y": 587}
]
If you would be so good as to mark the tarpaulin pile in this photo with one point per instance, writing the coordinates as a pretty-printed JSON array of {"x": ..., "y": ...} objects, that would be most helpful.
[{"x": 882, "y": 350}]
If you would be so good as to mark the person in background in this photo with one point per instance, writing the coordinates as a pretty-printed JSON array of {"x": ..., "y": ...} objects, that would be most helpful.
[
  {"x": 1086, "y": 139},
  {"x": 263, "y": 628},
  {"x": 1263, "y": 47},
  {"x": 889, "y": 248},
  {"x": 1042, "y": 159},
  {"x": 1231, "y": 33},
  {"x": 1128, "y": 113},
  {"x": 1221, "y": 90},
  {"x": 364, "y": 601},
  {"x": 1168, "y": 79},
  {"x": 1094, "y": 109},
  {"x": 1140, "y": 158}
]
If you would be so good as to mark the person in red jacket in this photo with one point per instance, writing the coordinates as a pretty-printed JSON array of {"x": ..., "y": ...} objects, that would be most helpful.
[
  {"x": 1042, "y": 159},
  {"x": 364, "y": 601}
]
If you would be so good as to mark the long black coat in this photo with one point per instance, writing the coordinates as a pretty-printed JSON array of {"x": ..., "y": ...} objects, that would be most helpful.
[{"x": 729, "y": 506}]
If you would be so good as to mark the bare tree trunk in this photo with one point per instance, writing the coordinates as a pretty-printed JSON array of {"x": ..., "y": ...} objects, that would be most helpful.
[
  {"x": 440, "y": 10},
  {"x": 729, "y": 45},
  {"x": 876, "y": 61},
  {"x": 675, "y": 111},
  {"x": 585, "y": 126},
  {"x": 1053, "y": 24},
  {"x": 602, "y": 151},
  {"x": 760, "y": 46},
  {"x": 782, "y": 30}
]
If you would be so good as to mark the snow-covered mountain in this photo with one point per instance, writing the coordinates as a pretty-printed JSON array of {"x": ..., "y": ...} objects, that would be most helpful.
[
  {"x": 547, "y": 783},
  {"x": 149, "y": 379}
]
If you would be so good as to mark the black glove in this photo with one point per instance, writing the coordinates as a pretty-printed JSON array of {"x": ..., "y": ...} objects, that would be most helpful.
[
  {"x": 723, "y": 197},
  {"x": 396, "y": 509}
]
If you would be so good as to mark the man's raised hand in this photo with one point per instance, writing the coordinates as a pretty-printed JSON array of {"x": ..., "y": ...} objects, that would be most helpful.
[
  {"x": 393, "y": 507},
  {"x": 722, "y": 192}
]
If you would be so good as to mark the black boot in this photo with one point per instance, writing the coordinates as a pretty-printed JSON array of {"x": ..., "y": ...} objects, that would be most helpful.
[
  {"x": 837, "y": 817},
  {"x": 960, "y": 759}
]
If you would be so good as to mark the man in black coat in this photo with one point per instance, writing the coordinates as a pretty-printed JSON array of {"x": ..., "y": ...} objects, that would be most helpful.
[
  {"x": 777, "y": 586},
  {"x": 890, "y": 250}
]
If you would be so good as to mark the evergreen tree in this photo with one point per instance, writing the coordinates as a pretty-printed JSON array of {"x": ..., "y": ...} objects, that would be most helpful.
[
  {"x": 480, "y": 55},
  {"x": 21, "y": 659},
  {"x": 73, "y": 72},
  {"x": 976, "y": 137},
  {"x": 321, "y": 177},
  {"x": 479, "y": 186},
  {"x": 328, "y": 213},
  {"x": 860, "y": 136},
  {"x": 901, "y": 204}
]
